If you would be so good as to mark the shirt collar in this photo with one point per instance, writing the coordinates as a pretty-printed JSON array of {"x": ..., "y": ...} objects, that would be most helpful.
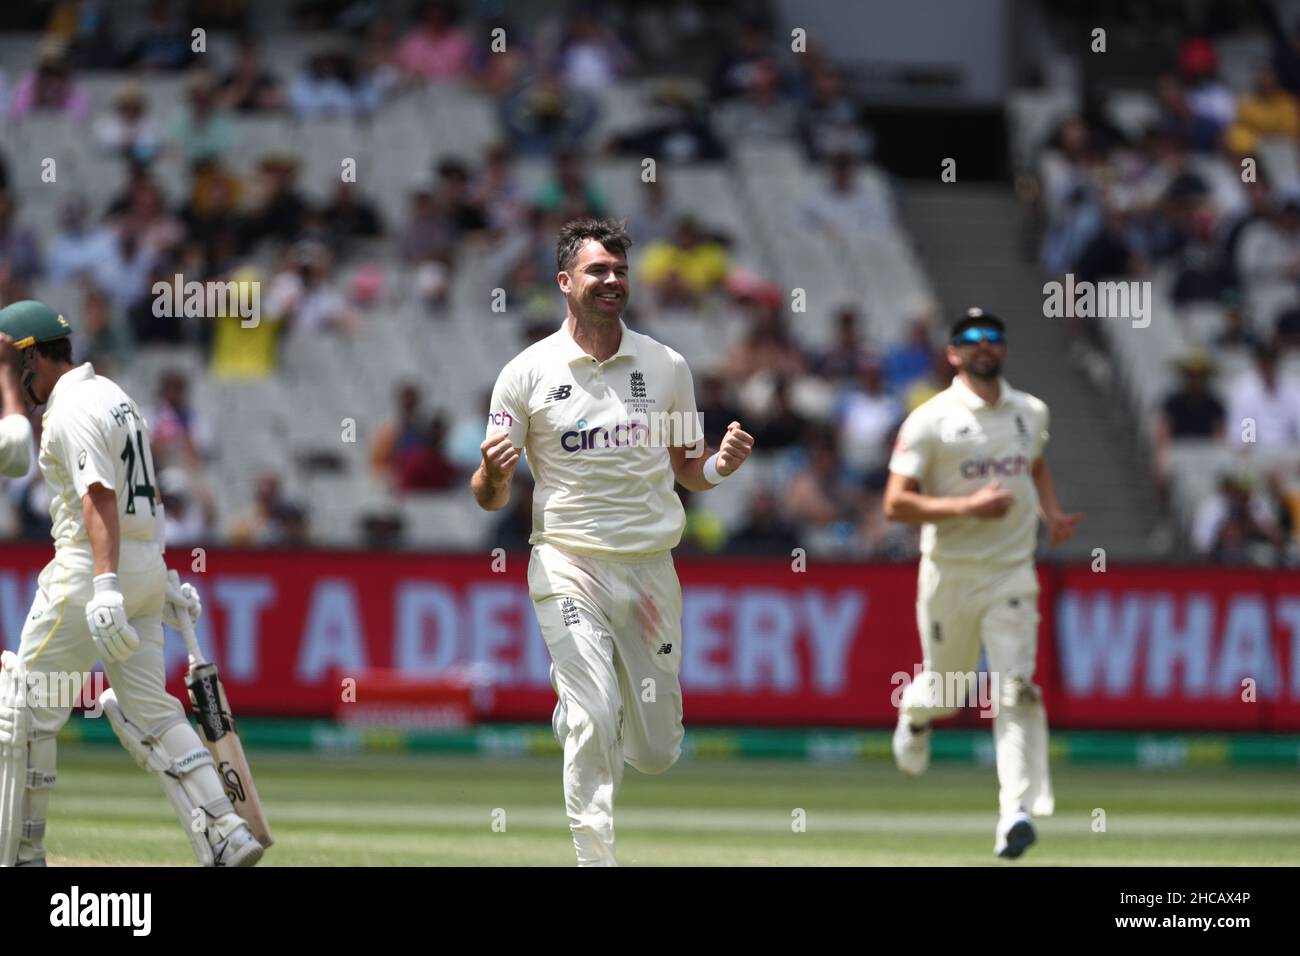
[
  {"x": 79, "y": 374},
  {"x": 968, "y": 398},
  {"x": 573, "y": 351}
]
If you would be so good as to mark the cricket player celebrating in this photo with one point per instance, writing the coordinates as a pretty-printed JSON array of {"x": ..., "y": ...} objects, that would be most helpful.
[
  {"x": 105, "y": 595},
  {"x": 968, "y": 466},
  {"x": 605, "y": 518}
]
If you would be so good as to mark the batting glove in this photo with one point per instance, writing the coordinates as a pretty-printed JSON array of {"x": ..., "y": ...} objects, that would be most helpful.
[
  {"x": 113, "y": 635},
  {"x": 181, "y": 599}
]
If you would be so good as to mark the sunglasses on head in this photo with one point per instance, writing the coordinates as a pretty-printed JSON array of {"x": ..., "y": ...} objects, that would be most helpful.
[{"x": 977, "y": 334}]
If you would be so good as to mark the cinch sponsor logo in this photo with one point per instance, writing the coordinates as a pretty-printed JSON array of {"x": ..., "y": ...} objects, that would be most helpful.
[
  {"x": 620, "y": 436},
  {"x": 503, "y": 419},
  {"x": 1002, "y": 467}
]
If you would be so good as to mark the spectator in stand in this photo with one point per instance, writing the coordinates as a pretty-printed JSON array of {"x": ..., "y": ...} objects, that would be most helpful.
[
  {"x": 911, "y": 359},
  {"x": 211, "y": 212},
  {"x": 748, "y": 45},
  {"x": 127, "y": 130},
  {"x": 189, "y": 512},
  {"x": 1071, "y": 196},
  {"x": 1237, "y": 331},
  {"x": 426, "y": 467},
  {"x": 848, "y": 354},
  {"x": 569, "y": 192},
  {"x": 20, "y": 255},
  {"x": 1268, "y": 252},
  {"x": 437, "y": 48},
  {"x": 823, "y": 494},
  {"x": 541, "y": 117},
  {"x": 303, "y": 296},
  {"x": 1236, "y": 525},
  {"x": 427, "y": 234},
  {"x": 1191, "y": 411},
  {"x": 766, "y": 348},
  {"x": 866, "y": 415},
  {"x": 178, "y": 434},
  {"x": 457, "y": 203},
  {"x": 1207, "y": 96},
  {"x": 829, "y": 124},
  {"x": 1263, "y": 408},
  {"x": 1201, "y": 275},
  {"x": 680, "y": 131},
  {"x": 249, "y": 87},
  {"x": 765, "y": 532},
  {"x": 680, "y": 273},
  {"x": 1258, "y": 208},
  {"x": 200, "y": 129},
  {"x": 278, "y": 208},
  {"x": 716, "y": 408},
  {"x": 401, "y": 434},
  {"x": 652, "y": 222},
  {"x": 330, "y": 85},
  {"x": 350, "y": 216},
  {"x": 76, "y": 248},
  {"x": 125, "y": 269},
  {"x": 842, "y": 209},
  {"x": 49, "y": 89},
  {"x": 782, "y": 427},
  {"x": 164, "y": 43},
  {"x": 1198, "y": 132},
  {"x": 104, "y": 341},
  {"x": 272, "y": 521},
  {"x": 1267, "y": 110},
  {"x": 763, "y": 114},
  {"x": 497, "y": 193},
  {"x": 591, "y": 56}
]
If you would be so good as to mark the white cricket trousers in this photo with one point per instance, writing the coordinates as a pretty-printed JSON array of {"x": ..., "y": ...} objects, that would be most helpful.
[
  {"x": 613, "y": 627},
  {"x": 960, "y": 607},
  {"x": 56, "y": 643}
]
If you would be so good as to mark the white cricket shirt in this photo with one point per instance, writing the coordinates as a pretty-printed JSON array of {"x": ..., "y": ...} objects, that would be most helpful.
[
  {"x": 956, "y": 443},
  {"x": 15, "y": 446},
  {"x": 596, "y": 435},
  {"x": 93, "y": 432}
]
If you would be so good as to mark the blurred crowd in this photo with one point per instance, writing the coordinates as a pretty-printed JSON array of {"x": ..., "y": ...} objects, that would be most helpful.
[
  {"x": 1207, "y": 197},
  {"x": 824, "y": 419}
]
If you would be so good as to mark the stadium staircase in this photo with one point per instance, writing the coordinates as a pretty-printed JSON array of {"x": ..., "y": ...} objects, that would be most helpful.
[{"x": 968, "y": 238}]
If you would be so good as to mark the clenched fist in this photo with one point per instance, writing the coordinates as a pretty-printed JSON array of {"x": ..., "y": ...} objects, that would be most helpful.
[{"x": 735, "y": 448}]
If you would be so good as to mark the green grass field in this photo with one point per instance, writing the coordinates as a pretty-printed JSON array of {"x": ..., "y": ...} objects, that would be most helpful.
[{"x": 374, "y": 810}]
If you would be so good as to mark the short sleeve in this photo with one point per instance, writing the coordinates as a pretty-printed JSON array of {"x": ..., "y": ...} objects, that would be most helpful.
[
  {"x": 912, "y": 448},
  {"x": 82, "y": 450},
  {"x": 15, "y": 446},
  {"x": 509, "y": 409},
  {"x": 683, "y": 407}
]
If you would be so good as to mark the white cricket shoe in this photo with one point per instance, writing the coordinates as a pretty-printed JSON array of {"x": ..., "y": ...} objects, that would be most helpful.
[
  {"x": 559, "y": 716},
  {"x": 239, "y": 849},
  {"x": 911, "y": 748},
  {"x": 1015, "y": 835}
]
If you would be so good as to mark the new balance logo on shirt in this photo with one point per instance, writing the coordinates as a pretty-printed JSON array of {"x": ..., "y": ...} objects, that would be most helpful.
[{"x": 558, "y": 394}]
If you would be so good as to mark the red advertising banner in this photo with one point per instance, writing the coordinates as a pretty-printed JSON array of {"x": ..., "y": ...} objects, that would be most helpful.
[{"x": 1153, "y": 648}]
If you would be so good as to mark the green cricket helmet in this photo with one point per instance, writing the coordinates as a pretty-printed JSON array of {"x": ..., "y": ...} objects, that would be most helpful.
[{"x": 29, "y": 322}]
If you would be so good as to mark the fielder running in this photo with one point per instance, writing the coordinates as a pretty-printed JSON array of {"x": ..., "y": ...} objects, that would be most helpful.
[
  {"x": 605, "y": 518},
  {"x": 105, "y": 595},
  {"x": 968, "y": 466}
]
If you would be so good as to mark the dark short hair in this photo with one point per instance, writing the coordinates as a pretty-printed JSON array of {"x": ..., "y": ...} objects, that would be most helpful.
[
  {"x": 610, "y": 233},
  {"x": 976, "y": 318},
  {"x": 57, "y": 350}
]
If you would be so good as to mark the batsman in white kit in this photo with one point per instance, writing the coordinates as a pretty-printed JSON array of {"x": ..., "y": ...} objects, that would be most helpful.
[
  {"x": 968, "y": 466},
  {"x": 608, "y": 420},
  {"x": 105, "y": 595}
]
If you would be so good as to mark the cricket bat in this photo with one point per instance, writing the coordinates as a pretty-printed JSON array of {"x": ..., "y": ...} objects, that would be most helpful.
[{"x": 208, "y": 698}]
